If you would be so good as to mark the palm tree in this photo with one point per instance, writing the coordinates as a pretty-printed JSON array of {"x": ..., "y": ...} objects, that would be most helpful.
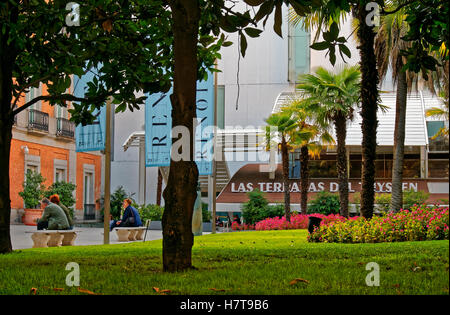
[
  {"x": 388, "y": 50},
  {"x": 322, "y": 18},
  {"x": 281, "y": 125},
  {"x": 310, "y": 137},
  {"x": 332, "y": 98},
  {"x": 388, "y": 47}
]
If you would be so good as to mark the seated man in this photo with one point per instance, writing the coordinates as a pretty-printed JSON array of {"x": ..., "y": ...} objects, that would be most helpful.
[
  {"x": 53, "y": 217},
  {"x": 130, "y": 217}
]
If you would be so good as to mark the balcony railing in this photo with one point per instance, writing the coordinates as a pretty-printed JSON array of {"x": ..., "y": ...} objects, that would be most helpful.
[
  {"x": 65, "y": 128},
  {"x": 37, "y": 120}
]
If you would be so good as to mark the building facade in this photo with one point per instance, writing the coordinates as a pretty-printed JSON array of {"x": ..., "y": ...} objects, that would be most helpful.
[{"x": 43, "y": 141}]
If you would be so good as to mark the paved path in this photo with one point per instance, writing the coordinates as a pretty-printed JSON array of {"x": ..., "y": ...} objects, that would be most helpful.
[{"x": 88, "y": 236}]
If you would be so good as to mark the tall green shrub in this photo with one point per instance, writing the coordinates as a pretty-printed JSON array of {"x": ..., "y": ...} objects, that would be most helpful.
[
  {"x": 325, "y": 203},
  {"x": 251, "y": 210},
  {"x": 258, "y": 208},
  {"x": 33, "y": 189}
]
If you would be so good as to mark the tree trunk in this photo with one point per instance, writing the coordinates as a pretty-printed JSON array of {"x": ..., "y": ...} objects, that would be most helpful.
[
  {"x": 369, "y": 98},
  {"x": 159, "y": 188},
  {"x": 399, "y": 140},
  {"x": 181, "y": 189},
  {"x": 287, "y": 187},
  {"x": 6, "y": 121},
  {"x": 304, "y": 178},
  {"x": 341, "y": 163}
]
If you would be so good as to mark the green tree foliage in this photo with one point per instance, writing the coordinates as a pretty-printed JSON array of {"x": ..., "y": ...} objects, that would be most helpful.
[{"x": 64, "y": 191}]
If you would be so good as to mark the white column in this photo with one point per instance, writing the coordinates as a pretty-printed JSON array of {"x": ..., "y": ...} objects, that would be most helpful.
[{"x": 423, "y": 162}]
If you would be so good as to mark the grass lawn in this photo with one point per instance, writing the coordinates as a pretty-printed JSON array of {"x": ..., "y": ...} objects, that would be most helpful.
[{"x": 239, "y": 263}]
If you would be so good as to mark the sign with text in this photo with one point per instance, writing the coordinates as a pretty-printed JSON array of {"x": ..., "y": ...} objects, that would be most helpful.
[
  {"x": 90, "y": 137},
  {"x": 158, "y": 128},
  {"x": 204, "y": 132}
]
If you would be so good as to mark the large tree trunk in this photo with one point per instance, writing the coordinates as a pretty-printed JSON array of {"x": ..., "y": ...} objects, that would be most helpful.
[
  {"x": 399, "y": 140},
  {"x": 341, "y": 163},
  {"x": 304, "y": 179},
  {"x": 369, "y": 97},
  {"x": 181, "y": 190},
  {"x": 6, "y": 120},
  {"x": 287, "y": 187}
]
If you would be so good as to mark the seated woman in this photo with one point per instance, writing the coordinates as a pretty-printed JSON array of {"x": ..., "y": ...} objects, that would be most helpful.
[{"x": 130, "y": 217}]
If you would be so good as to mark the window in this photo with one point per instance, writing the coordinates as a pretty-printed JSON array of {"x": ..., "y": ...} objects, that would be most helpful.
[
  {"x": 298, "y": 52},
  {"x": 322, "y": 169},
  {"x": 32, "y": 168},
  {"x": 60, "y": 175},
  {"x": 221, "y": 106},
  {"x": 294, "y": 165},
  {"x": 33, "y": 93},
  {"x": 438, "y": 168}
]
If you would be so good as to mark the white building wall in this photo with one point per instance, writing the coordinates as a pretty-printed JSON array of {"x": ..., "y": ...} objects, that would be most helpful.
[
  {"x": 125, "y": 166},
  {"x": 263, "y": 74}
]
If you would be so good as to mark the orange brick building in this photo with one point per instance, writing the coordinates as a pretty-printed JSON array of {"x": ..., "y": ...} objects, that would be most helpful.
[{"x": 43, "y": 140}]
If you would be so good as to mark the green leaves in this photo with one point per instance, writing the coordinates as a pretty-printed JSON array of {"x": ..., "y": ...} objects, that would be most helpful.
[
  {"x": 252, "y": 32},
  {"x": 331, "y": 40},
  {"x": 277, "y": 19}
]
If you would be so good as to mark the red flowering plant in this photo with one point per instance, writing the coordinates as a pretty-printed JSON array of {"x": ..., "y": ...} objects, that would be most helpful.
[{"x": 298, "y": 221}]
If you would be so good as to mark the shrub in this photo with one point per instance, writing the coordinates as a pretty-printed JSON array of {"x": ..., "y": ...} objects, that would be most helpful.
[
  {"x": 383, "y": 202},
  {"x": 252, "y": 209},
  {"x": 33, "y": 189},
  {"x": 417, "y": 224},
  {"x": 357, "y": 202},
  {"x": 150, "y": 212},
  {"x": 64, "y": 191},
  {"x": 272, "y": 211},
  {"x": 206, "y": 215},
  {"x": 325, "y": 203},
  {"x": 411, "y": 198}
]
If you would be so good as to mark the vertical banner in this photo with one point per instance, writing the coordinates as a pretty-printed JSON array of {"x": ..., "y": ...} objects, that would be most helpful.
[
  {"x": 204, "y": 131},
  {"x": 158, "y": 128},
  {"x": 90, "y": 137}
]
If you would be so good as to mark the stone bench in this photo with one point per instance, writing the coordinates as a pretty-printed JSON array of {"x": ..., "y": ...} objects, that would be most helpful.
[
  {"x": 127, "y": 234},
  {"x": 53, "y": 238}
]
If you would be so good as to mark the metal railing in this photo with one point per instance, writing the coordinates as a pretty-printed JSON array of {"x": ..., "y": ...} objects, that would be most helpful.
[
  {"x": 37, "y": 120},
  {"x": 89, "y": 211},
  {"x": 65, "y": 128}
]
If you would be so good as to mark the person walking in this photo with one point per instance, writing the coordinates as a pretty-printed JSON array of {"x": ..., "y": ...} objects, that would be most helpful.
[
  {"x": 130, "y": 217},
  {"x": 55, "y": 199},
  {"x": 53, "y": 217}
]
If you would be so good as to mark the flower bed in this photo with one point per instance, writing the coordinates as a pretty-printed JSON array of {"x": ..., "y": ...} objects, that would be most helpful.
[
  {"x": 298, "y": 221},
  {"x": 417, "y": 224}
]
